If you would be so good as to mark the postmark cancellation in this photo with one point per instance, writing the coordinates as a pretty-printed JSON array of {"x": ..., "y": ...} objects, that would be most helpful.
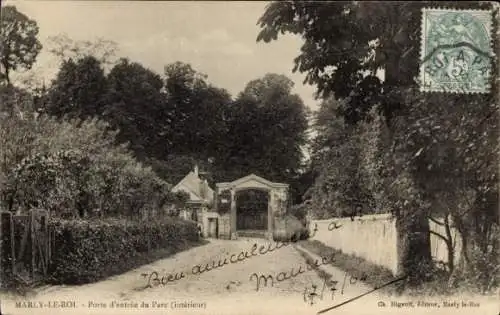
[{"x": 456, "y": 51}]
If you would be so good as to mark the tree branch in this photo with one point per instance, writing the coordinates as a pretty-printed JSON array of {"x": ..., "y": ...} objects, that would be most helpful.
[
  {"x": 436, "y": 221},
  {"x": 440, "y": 236}
]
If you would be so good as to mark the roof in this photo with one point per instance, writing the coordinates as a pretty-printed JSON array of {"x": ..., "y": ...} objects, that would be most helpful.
[
  {"x": 193, "y": 185},
  {"x": 252, "y": 177}
]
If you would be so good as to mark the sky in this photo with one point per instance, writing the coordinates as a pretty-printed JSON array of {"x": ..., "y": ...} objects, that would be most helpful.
[{"x": 216, "y": 38}]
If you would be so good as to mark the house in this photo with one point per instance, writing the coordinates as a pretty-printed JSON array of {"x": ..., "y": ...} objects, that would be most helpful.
[
  {"x": 201, "y": 196},
  {"x": 221, "y": 215}
]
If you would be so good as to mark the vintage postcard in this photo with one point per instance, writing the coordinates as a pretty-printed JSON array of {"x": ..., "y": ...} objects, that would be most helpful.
[{"x": 220, "y": 157}]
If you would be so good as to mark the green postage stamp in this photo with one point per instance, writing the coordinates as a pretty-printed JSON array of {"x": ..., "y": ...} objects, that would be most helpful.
[{"x": 456, "y": 51}]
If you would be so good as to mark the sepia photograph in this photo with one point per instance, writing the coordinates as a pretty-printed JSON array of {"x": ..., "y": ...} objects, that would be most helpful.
[{"x": 249, "y": 157}]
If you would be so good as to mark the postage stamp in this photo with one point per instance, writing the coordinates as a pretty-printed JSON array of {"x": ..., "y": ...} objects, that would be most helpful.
[{"x": 456, "y": 51}]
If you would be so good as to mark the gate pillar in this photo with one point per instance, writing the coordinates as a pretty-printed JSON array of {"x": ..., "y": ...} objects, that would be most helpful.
[
  {"x": 270, "y": 214},
  {"x": 233, "y": 214}
]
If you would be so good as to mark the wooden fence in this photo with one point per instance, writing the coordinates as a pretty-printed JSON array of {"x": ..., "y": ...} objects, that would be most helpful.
[{"x": 25, "y": 246}]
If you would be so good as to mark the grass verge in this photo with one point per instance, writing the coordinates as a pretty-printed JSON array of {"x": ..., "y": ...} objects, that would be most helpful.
[
  {"x": 372, "y": 274},
  {"x": 376, "y": 276}
]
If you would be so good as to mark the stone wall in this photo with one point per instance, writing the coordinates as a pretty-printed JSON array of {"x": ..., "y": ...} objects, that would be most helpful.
[
  {"x": 373, "y": 237},
  {"x": 223, "y": 220}
]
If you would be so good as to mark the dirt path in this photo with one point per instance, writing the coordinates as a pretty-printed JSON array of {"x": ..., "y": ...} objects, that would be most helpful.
[
  {"x": 222, "y": 288},
  {"x": 229, "y": 289}
]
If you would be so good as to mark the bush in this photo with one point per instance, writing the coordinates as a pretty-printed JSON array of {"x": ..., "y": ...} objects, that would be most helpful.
[
  {"x": 73, "y": 167},
  {"x": 87, "y": 251},
  {"x": 289, "y": 228},
  {"x": 299, "y": 211}
]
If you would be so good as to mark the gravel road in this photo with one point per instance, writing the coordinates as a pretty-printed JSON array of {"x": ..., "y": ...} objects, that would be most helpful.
[{"x": 221, "y": 277}]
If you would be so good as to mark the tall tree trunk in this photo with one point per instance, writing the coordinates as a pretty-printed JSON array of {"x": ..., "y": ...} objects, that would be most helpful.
[
  {"x": 6, "y": 75},
  {"x": 449, "y": 244},
  {"x": 412, "y": 224},
  {"x": 413, "y": 244},
  {"x": 413, "y": 237}
]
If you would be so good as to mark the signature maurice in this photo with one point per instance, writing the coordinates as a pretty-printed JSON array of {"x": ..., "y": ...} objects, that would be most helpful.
[
  {"x": 311, "y": 293},
  {"x": 285, "y": 275}
]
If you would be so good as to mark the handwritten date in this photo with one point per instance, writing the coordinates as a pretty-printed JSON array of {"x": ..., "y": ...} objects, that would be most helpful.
[{"x": 311, "y": 294}]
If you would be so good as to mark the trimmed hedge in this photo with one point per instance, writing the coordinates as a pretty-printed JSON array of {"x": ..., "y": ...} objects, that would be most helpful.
[{"x": 88, "y": 250}]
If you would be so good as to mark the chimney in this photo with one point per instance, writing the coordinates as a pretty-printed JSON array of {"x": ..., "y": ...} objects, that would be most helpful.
[{"x": 196, "y": 169}]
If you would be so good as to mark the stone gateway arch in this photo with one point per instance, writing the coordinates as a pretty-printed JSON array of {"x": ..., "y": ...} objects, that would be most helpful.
[{"x": 242, "y": 209}]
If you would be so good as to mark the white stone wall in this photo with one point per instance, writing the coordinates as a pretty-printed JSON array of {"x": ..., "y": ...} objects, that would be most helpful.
[{"x": 374, "y": 238}]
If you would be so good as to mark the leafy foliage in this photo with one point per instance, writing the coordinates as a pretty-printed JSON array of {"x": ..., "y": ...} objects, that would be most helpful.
[
  {"x": 135, "y": 105},
  {"x": 299, "y": 211},
  {"x": 78, "y": 90},
  {"x": 423, "y": 155},
  {"x": 73, "y": 167},
  {"x": 178, "y": 119},
  {"x": 197, "y": 113},
  {"x": 347, "y": 42},
  {"x": 289, "y": 228},
  {"x": 89, "y": 251},
  {"x": 20, "y": 45},
  {"x": 267, "y": 123},
  {"x": 340, "y": 188},
  {"x": 453, "y": 158}
]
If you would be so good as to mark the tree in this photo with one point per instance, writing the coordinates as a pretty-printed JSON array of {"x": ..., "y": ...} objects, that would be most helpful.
[
  {"x": 454, "y": 153},
  {"x": 345, "y": 44},
  {"x": 20, "y": 46},
  {"x": 198, "y": 112},
  {"x": 15, "y": 101},
  {"x": 339, "y": 188},
  {"x": 74, "y": 167},
  {"x": 16, "y": 137},
  {"x": 301, "y": 185},
  {"x": 134, "y": 104},
  {"x": 78, "y": 90},
  {"x": 267, "y": 129}
]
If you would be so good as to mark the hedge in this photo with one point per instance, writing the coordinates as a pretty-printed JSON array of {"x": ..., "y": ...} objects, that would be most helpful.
[
  {"x": 289, "y": 228},
  {"x": 86, "y": 251}
]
